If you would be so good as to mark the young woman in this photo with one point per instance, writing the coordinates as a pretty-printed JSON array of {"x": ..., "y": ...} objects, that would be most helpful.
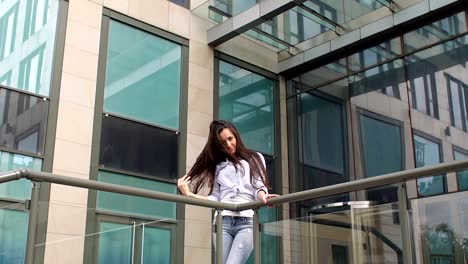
[{"x": 234, "y": 174}]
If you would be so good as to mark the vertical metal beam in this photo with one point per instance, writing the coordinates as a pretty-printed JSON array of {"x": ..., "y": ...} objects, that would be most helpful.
[
  {"x": 219, "y": 237},
  {"x": 256, "y": 237},
  {"x": 405, "y": 225},
  {"x": 32, "y": 224}
]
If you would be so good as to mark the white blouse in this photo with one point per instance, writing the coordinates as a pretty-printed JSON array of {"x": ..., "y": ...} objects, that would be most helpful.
[{"x": 234, "y": 186}]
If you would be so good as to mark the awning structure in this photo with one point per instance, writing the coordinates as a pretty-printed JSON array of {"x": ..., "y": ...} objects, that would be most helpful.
[{"x": 283, "y": 24}]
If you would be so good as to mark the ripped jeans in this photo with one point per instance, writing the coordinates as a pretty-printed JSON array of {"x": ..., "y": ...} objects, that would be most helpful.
[{"x": 237, "y": 239}]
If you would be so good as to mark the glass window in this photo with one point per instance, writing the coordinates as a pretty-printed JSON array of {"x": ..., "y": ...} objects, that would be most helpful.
[
  {"x": 143, "y": 75},
  {"x": 157, "y": 245},
  {"x": 382, "y": 148},
  {"x": 139, "y": 148},
  {"x": 20, "y": 189},
  {"x": 323, "y": 137},
  {"x": 458, "y": 95},
  {"x": 382, "y": 153},
  {"x": 27, "y": 43},
  {"x": 462, "y": 176},
  {"x": 246, "y": 100},
  {"x": 435, "y": 32},
  {"x": 23, "y": 121},
  {"x": 339, "y": 254},
  {"x": 115, "y": 243},
  {"x": 427, "y": 152},
  {"x": 132, "y": 204},
  {"x": 13, "y": 233},
  {"x": 137, "y": 242}
]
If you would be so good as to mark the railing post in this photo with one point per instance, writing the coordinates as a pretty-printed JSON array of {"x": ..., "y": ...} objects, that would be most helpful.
[
  {"x": 405, "y": 225},
  {"x": 32, "y": 224},
  {"x": 219, "y": 237},
  {"x": 256, "y": 237}
]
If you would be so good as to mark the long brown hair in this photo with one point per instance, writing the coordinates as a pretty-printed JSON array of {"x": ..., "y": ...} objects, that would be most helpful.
[{"x": 204, "y": 169}]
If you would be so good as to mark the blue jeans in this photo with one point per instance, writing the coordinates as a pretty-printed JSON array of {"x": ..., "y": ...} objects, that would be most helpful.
[{"x": 237, "y": 239}]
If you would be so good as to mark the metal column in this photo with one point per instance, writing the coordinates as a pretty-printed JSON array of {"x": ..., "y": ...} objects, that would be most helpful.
[
  {"x": 219, "y": 237},
  {"x": 32, "y": 224},
  {"x": 405, "y": 225},
  {"x": 256, "y": 237}
]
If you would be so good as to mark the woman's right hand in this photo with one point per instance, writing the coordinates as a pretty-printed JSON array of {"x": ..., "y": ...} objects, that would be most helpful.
[{"x": 183, "y": 185}]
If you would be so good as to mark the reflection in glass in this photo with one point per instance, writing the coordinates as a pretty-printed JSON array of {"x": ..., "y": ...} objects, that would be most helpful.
[
  {"x": 132, "y": 204},
  {"x": 20, "y": 189},
  {"x": 326, "y": 73},
  {"x": 427, "y": 152},
  {"x": 441, "y": 232},
  {"x": 385, "y": 78},
  {"x": 458, "y": 96},
  {"x": 27, "y": 30},
  {"x": 246, "y": 100},
  {"x": 115, "y": 243},
  {"x": 382, "y": 152},
  {"x": 375, "y": 55},
  {"x": 462, "y": 176},
  {"x": 431, "y": 70},
  {"x": 23, "y": 121},
  {"x": 143, "y": 75},
  {"x": 13, "y": 233},
  {"x": 437, "y": 31},
  {"x": 6, "y": 79},
  {"x": 139, "y": 148},
  {"x": 302, "y": 24},
  {"x": 8, "y": 24},
  {"x": 321, "y": 143}
]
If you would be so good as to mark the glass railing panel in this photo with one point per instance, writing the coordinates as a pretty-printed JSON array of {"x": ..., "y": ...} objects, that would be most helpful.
[
  {"x": 79, "y": 234},
  {"x": 353, "y": 232},
  {"x": 440, "y": 227}
]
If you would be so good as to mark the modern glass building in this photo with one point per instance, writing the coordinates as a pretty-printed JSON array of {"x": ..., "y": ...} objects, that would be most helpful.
[{"x": 329, "y": 91}]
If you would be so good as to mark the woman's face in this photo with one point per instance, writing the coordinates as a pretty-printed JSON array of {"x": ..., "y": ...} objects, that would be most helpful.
[{"x": 228, "y": 140}]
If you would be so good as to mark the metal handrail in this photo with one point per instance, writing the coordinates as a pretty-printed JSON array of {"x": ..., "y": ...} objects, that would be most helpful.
[
  {"x": 351, "y": 186},
  {"x": 386, "y": 179}
]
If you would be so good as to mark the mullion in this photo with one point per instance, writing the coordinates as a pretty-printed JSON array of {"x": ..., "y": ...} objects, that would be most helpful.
[{"x": 464, "y": 95}]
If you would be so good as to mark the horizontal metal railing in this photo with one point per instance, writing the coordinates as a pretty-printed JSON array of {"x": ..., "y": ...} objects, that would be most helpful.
[{"x": 383, "y": 180}]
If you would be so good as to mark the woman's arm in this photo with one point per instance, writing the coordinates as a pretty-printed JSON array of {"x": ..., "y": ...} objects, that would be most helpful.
[
  {"x": 183, "y": 185},
  {"x": 262, "y": 192}
]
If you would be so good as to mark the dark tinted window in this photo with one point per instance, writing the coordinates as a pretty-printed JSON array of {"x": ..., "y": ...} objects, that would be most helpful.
[
  {"x": 23, "y": 121},
  {"x": 270, "y": 167},
  {"x": 135, "y": 147}
]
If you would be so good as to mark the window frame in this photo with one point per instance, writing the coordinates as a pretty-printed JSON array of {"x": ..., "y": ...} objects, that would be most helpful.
[
  {"x": 91, "y": 253},
  {"x": 295, "y": 127}
]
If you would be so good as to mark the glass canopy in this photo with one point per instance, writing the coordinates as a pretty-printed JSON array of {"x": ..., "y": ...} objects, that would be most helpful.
[{"x": 292, "y": 22}]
